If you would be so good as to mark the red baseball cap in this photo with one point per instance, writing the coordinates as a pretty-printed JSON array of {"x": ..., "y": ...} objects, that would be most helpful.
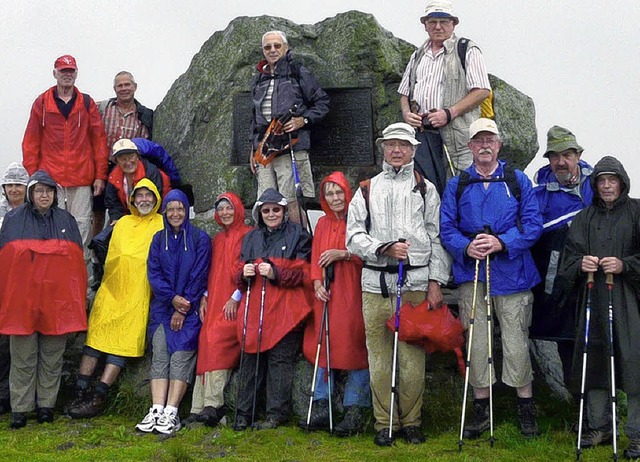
[{"x": 65, "y": 62}]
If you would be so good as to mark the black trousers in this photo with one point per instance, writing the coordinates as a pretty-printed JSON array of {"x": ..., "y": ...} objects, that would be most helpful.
[
  {"x": 429, "y": 159},
  {"x": 276, "y": 370},
  {"x": 5, "y": 364}
]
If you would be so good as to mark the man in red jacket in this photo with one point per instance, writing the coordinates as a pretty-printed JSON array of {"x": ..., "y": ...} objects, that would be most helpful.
[{"x": 65, "y": 136}]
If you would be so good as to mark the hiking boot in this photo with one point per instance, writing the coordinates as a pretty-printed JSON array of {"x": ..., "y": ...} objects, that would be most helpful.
[
  {"x": 382, "y": 438},
  {"x": 18, "y": 420},
  {"x": 353, "y": 422},
  {"x": 592, "y": 438},
  {"x": 319, "y": 416},
  {"x": 168, "y": 423},
  {"x": 90, "y": 407},
  {"x": 148, "y": 423},
  {"x": 269, "y": 423},
  {"x": 633, "y": 450},
  {"x": 480, "y": 422},
  {"x": 210, "y": 416},
  {"x": 241, "y": 423},
  {"x": 191, "y": 419},
  {"x": 527, "y": 419},
  {"x": 44, "y": 415},
  {"x": 413, "y": 435},
  {"x": 82, "y": 394}
]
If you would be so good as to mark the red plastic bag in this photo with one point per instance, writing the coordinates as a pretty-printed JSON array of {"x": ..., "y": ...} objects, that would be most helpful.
[{"x": 432, "y": 329}]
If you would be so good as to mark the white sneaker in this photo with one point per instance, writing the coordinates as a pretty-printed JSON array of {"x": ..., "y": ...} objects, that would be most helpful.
[
  {"x": 168, "y": 423},
  {"x": 149, "y": 422}
]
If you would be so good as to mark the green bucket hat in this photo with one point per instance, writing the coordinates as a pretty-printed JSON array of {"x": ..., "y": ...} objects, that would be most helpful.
[{"x": 560, "y": 139}]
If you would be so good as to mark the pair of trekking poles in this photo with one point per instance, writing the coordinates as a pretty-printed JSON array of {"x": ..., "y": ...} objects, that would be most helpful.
[
  {"x": 243, "y": 345},
  {"x": 489, "y": 350},
  {"x": 612, "y": 371}
]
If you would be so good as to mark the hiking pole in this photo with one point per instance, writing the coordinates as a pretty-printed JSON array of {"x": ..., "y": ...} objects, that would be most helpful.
[
  {"x": 587, "y": 323},
  {"x": 328, "y": 277},
  {"x": 296, "y": 180},
  {"x": 394, "y": 361},
  {"x": 612, "y": 369},
  {"x": 244, "y": 342},
  {"x": 318, "y": 348},
  {"x": 468, "y": 361},
  {"x": 255, "y": 377},
  {"x": 489, "y": 341},
  {"x": 446, "y": 152}
]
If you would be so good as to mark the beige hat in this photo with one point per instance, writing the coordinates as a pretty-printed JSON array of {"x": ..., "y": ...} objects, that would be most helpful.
[
  {"x": 483, "y": 125},
  {"x": 398, "y": 131},
  {"x": 123, "y": 146},
  {"x": 442, "y": 9}
]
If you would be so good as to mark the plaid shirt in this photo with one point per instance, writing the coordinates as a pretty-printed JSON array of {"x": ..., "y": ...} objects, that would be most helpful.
[{"x": 118, "y": 125}]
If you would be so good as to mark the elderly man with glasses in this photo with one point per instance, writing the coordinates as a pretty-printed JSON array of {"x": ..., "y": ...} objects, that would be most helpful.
[
  {"x": 283, "y": 84},
  {"x": 396, "y": 218},
  {"x": 489, "y": 221},
  {"x": 441, "y": 94}
]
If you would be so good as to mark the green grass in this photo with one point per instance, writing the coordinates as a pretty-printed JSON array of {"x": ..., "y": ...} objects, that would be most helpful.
[{"x": 114, "y": 438}]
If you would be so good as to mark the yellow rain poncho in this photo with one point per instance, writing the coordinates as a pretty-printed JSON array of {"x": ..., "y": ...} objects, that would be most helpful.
[{"x": 118, "y": 320}]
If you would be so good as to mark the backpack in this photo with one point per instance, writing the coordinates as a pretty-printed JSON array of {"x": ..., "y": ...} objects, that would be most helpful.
[
  {"x": 486, "y": 107},
  {"x": 421, "y": 186},
  {"x": 509, "y": 178}
]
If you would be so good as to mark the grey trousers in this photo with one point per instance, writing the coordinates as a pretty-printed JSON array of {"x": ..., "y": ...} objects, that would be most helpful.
[
  {"x": 36, "y": 366},
  {"x": 599, "y": 412}
]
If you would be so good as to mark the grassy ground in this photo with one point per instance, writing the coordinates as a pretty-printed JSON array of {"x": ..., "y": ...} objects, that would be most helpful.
[{"x": 113, "y": 437}]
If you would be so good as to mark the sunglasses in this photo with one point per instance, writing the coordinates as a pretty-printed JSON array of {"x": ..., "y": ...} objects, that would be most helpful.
[
  {"x": 267, "y": 211},
  {"x": 268, "y": 46}
]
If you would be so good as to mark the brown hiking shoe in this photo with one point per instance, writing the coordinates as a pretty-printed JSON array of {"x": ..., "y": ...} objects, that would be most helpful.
[
  {"x": 90, "y": 407},
  {"x": 527, "y": 419}
]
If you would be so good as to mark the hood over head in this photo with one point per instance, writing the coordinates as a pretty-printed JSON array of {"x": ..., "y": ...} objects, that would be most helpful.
[
  {"x": 146, "y": 183},
  {"x": 15, "y": 173},
  {"x": 269, "y": 196},
  {"x": 612, "y": 166},
  {"x": 40, "y": 176},
  {"x": 339, "y": 179},
  {"x": 236, "y": 203},
  {"x": 176, "y": 195}
]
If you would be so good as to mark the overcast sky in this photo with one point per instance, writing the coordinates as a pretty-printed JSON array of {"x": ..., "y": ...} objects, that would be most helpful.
[{"x": 576, "y": 59}]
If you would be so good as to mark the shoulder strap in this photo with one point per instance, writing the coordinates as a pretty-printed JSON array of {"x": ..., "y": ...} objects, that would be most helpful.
[
  {"x": 364, "y": 187},
  {"x": 87, "y": 101},
  {"x": 512, "y": 182},
  {"x": 463, "y": 44},
  {"x": 421, "y": 185}
]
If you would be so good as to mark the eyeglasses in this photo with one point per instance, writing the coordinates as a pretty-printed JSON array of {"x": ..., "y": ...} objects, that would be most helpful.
[
  {"x": 43, "y": 192},
  {"x": 224, "y": 208},
  {"x": 268, "y": 46},
  {"x": 391, "y": 145},
  {"x": 483, "y": 141},
  {"x": 267, "y": 211},
  {"x": 175, "y": 209},
  {"x": 433, "y": 23}
]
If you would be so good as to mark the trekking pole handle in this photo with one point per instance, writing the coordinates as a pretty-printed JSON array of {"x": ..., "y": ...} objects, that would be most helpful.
[
  {"x": 609, "y": 280},
  {"x": 590, "y": 280}
]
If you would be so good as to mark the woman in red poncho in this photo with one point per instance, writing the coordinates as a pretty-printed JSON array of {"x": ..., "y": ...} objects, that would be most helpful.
[
  {"x": 346, "y": 325},
  {"x": 218, "y": 346}
]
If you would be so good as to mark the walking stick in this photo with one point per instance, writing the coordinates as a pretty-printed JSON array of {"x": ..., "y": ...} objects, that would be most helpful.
[
  {"x": 296, "y": 179},
  {"x": 612, "y": 369},
  {"x": 244, "y": 342},
  {"x": 255, "y": 377},
  {"x": 468, "y": 360},
  {"x": 490, "y": 348},
  {"x": 394, "y": 361},
  {"x": 446, "y": 152},
  {"x": 587, "y": 323},
  {"x": 328, "y": 276}
]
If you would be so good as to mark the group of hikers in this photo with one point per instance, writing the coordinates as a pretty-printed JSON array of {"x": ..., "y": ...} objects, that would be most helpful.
[{"x": 562, "y": 257}]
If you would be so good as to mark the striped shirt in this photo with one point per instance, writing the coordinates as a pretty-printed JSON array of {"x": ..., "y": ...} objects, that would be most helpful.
[
  {"x": 265, "y": 108},
  {"x": 430, "y": 74},
  {"x": 118, "y": 125}
]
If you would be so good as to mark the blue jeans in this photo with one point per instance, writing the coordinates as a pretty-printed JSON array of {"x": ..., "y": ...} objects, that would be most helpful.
[{"x": 357, "y": 390}]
